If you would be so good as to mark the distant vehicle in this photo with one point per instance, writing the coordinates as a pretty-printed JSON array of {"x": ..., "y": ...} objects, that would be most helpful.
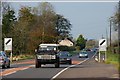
[
  {"x": 83, "y": 54},
  {"x": 86, "y": 49},
  {"x": 4, "y": 60},
  {"x": 94, "y": 49},
  {"x": 65, "y": 57},
  {"x": 47, "y": 54}
]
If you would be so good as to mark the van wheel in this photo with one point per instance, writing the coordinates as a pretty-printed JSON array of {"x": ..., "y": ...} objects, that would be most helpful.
[
  {"x": 3, "y": 66},
  {"x": 37, "y": 64},
  {"x": 8, "y": 66},
  {"x": 70, "y": 62}
]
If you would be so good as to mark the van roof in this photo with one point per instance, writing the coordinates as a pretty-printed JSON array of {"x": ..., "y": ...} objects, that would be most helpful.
[{"x": 49, "y": 45}]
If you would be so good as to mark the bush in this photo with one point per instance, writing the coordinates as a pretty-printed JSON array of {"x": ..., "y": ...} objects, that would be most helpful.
[
  {"x": 113, "y": 59},
  {"x": 78, "y": 48},
  {"x": 66, "y": 48}
]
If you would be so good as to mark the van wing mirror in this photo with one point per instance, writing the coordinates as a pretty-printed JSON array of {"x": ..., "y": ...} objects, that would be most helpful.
[
  {"x": 69, "y": 55},
  {"x": 35, "y": 50}
]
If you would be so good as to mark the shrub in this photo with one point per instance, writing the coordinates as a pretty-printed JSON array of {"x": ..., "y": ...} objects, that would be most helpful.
[{"x": 66, "y": 48}]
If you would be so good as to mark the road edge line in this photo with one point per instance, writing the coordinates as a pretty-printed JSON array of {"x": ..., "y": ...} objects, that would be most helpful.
[
  {"x": 9, "y": 73},
  {"x": 94, "y": 55}
]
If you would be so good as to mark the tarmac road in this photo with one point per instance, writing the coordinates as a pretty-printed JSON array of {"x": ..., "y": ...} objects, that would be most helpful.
[{"x": 80, "y": 68}]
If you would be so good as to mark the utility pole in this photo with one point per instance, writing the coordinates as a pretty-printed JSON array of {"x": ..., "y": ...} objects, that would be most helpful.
[
  {"x": 110, "y": 32},
  {"x": 107, "y": 37},
  {"x": 119, "y": 31}
]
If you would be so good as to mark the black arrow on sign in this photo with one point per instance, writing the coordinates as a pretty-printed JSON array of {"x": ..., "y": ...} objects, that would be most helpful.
[
  {"x": 8, "y": 41},
  {"x": 102, "y": 42}
]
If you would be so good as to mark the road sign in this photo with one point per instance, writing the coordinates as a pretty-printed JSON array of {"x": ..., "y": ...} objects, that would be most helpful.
[
  {"x": 102, "y": 44},
  {"x": 7, "y": 43}
]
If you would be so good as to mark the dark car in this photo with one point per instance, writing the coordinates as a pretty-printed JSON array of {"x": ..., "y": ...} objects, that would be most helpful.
[
  {"x": 86, "y": 49},
  {"x": 46, "y": 57},
  {"x": 65, "y": 57},
  {"x": 4, "y": 60},
  {"x": 95, "y": 50}
]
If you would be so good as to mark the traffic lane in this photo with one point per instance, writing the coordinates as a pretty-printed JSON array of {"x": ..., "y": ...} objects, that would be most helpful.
[
  {"x": 90, "y": 55},
  {"x": 47, "y": 71},
  {"x": 18, "y": 64},
  {"x": 23, "y": 66},
  {"x": 90, "y": 69},
  {"x": 33, "y": 72},
  {"x": 23, "y": 63}
]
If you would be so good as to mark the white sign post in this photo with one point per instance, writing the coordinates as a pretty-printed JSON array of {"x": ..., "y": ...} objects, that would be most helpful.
[
  {"x": 102, "y": 47},
  {"x": 8, "y": 46}
]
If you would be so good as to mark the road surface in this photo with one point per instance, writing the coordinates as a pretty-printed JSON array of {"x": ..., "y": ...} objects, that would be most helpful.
[{"x": 81, "y": 68}]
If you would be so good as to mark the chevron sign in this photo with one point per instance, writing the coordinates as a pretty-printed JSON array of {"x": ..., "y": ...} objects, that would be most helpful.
[
  {"x": 7, "y": 43},
  {"x": 102, "y": 44}
]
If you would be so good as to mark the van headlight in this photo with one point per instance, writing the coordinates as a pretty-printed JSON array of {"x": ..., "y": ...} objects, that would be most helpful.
[
  {"x": 80, "y": 54},
  {"x": 53, "y": 57},
  {"x": 68, "y": 59},
  {"x": 39, "y": 57}
]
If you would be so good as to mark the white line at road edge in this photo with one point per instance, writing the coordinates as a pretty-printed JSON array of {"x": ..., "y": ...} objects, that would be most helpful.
[
  {"x": 94, "y": 55},
  {"x": 67, "y": 68},
  {"x": 10, "y": 73}
]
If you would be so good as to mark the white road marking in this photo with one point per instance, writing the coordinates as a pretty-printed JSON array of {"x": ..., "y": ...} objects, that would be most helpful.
[
  {"x": 94, "y": 55},
  {"x": 66, "y": 69},
  {"x": 7, "y": 69},
  {"x": 115, "y": 76},
  {"x": 10, "y": 73},
  {"x": 59, "y": 73},
  {"x": 17, "y": 70},
  {"x": 32, "y": 65},
  {"x": 70, "y": 67},
  {"x": 24, "y": 68}
]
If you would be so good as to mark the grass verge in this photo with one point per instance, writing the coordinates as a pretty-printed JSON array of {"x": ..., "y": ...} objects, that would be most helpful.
[
  {"x": 113, "y": 59},
  {"x": 23, "y": 57}
]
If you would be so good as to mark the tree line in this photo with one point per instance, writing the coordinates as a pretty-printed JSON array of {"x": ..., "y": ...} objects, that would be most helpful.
[
  {"x": 115, "y": 18},
  {"x": 33, "y": 26}
]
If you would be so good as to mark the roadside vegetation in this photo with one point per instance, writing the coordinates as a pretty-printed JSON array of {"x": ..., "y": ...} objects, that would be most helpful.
[
  {"x": 113, "y": 59},
  {"x": 23, "y": 57},
  {"x": 33, "y": 26},
  {"x": 113, "y": 54}
]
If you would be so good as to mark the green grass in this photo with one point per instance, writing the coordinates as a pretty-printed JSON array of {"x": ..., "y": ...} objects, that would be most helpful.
[
  {"x": 113, "y": 59},
  {"x": 25, "y": 56}
]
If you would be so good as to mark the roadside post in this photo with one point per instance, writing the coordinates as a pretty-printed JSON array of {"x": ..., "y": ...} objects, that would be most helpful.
[
  {"x": 8, "y": 46},
  {"x": 102, "y": 47}
]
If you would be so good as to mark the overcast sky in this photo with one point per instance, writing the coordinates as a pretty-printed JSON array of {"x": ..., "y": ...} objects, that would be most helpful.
[{"x": 88, "y": 18}]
